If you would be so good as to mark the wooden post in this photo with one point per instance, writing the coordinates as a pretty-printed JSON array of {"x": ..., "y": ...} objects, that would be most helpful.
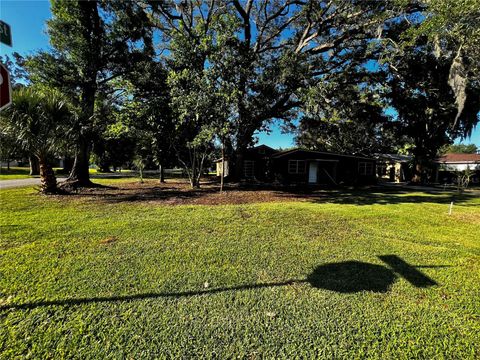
[{"x": 222, "y": 175}]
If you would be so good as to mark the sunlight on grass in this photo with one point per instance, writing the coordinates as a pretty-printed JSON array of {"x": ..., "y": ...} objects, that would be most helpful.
[
  {"x": 350, "y": 279},
  {"x": 14, "y": 173}
]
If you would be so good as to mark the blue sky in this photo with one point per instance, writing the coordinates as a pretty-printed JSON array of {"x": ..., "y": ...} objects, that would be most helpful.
[{"x": 27, "y": 19}]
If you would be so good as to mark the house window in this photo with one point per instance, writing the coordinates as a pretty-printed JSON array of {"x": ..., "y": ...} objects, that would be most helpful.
[
  {"x": 248, "y": 168},
  {"x": 296, "y": 166},
  {"x": 261, "y": 151},
  {"x": 365, "y": 168}
]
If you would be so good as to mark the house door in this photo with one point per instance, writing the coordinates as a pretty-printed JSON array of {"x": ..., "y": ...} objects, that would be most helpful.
[{"x": 312, "y": 172}]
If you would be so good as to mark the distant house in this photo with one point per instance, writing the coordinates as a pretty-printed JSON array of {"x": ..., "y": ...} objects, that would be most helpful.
[
  {"x": 393, "y": 167},
  {"x": 449, "y": 164},
  {"x": 219, "y": 169},
  {"x": 298, "y": 166}
]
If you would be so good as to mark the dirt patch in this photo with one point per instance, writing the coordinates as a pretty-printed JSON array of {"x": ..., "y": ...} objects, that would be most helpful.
[
  {"x": 177, "y": 192},
  {"x": 109, "y": 240},
  {"x": 469, "y": 218}
]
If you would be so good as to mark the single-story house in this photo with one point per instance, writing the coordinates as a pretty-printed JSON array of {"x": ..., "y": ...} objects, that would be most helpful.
[
  {"x": 299, "y": 166},
  {"x": 449, "y": 165},
  {"x": 393, "y": 167}
]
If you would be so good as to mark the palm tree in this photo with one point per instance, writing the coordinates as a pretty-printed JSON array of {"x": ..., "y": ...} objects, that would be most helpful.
[{"x": 38, "y": 119}]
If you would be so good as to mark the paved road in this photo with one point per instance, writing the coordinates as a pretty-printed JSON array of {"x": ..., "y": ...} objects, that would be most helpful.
[
  {"x": 15, "y": 183},
  {"x": 8, "y": 184}
]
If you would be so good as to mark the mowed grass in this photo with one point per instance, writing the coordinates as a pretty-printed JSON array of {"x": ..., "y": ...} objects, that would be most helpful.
[
  {"x": 17, "y": 172},
  {"x": 14, "y": 173},
  {"x": 84, "y": 279}
]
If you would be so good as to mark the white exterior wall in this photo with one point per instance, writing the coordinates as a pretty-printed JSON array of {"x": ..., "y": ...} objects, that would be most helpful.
[
  {"x": 459, "y": 167},
  {"x": 219, "y": 168}
]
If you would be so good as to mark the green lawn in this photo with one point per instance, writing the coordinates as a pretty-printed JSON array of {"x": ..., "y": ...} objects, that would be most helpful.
[
  {"x": 370, "y": 275},
  {"x": 14, "y": 173},
  {"x": 23, "y": 172}
]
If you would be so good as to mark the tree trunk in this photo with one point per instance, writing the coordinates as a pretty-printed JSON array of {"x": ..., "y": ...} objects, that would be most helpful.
[
  {"x": 222, "y": 175},
  {"x": 194, "y": 168},
  {"x": 417, "y": 174},
  {"x": 92, "y": 34},
  {"x": 68, "y": 164},
  {"x": 80, "y": 174},
  {"x": 34, "y": 165},
  {"x": 194, "y": 182},
  {"x": 243, "y": 141},
  {"x": 47, "y": 176},
  {"x": 418, "y": 170},
  {"x": 239, "y": 164},
  {"x": 162, "y": 173},
  {"x": 8, "y": 165}
]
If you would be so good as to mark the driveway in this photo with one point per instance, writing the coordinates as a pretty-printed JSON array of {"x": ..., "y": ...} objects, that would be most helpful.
[{"x": 8, "y": 184}]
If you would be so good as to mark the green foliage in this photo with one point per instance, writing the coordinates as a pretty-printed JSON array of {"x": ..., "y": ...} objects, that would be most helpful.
[
  {"x": 424, "y": 100},
  {"x": 114, "y": 151},
  {"x": 14, "y": 65},
  {"x": 93, "y": 43},
  {"x": 144, "y": 109},
  {"x": 9, "y": 148},
  {"x": 217, "y": 72},
  {"x": 39, "y": 120},
  {"x": 453, "y": 21},
  {"x": 199, "y": 93},
  {"x": 345, "y": 117},
  {"x": 258, "y": 58},
  {"x": 460, "y": 149}
]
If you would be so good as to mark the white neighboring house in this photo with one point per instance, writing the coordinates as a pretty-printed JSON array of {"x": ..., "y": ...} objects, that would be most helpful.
[{"x": 448, "y": 164}]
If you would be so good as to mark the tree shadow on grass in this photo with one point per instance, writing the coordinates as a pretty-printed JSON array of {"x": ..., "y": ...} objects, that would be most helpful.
[
  {"x": 210, "y": 195},
  {"x": 384, "y": 197},
  {"x": 158, "y": 193},
  {"x": 66, "y": 187},
  {"x": 342, "y": 277},
  {"x": 137, "y": 192}
]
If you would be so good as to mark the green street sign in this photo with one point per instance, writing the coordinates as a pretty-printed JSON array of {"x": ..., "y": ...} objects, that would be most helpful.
[{"x": 5, "y": 33}]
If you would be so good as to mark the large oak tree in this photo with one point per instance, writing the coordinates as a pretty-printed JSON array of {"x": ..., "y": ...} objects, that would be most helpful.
[
  {"x": 278, "y": 49},
  {"x": 93, "y": 42}
]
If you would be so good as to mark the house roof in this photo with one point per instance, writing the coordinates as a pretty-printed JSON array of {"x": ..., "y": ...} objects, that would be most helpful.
[
  {"x": 394, "y": 157},
  {"x": 266, "y": 147},
  {"x": 459, "y": 159},
  {"x": 313, "y": 152},
  {"x": 262, "y": 149}
]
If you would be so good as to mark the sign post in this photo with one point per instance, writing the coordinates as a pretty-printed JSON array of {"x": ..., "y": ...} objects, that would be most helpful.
[
  {"x": 5, "y": 85},
  {"x": 5, "y": 33},
  {"x": 5, "y": 88}
]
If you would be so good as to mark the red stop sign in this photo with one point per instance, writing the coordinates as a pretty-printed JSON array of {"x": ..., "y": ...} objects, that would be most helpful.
[{"x": 5, "y": 88}]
